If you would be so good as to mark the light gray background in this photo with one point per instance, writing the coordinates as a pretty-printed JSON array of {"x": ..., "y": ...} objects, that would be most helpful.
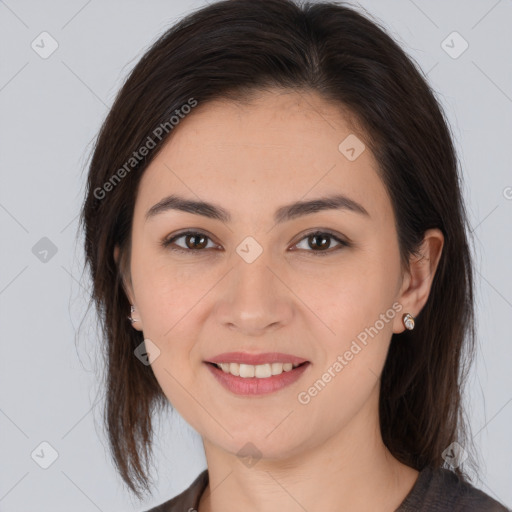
[{"x": 51, "y": 109}]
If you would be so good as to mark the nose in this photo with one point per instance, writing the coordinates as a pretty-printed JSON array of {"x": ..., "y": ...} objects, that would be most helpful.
[{"x": 255, "y": 299}]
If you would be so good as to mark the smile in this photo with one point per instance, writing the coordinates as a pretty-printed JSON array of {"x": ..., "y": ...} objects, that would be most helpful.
[
  {"x": 261, "y": 379},
  {"x": 260, "y": 371}
]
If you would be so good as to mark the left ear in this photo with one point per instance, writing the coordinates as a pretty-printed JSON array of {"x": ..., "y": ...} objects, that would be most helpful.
[{"x": 418, "y": 280}]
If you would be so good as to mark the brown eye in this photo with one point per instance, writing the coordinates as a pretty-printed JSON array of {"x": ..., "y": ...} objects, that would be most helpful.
[
  {"x": 193, "y": 242},
  {"x": 320, "y": 243}
]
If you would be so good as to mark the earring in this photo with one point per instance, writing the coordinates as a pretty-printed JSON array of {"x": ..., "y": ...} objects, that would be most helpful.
[
  {"x": 132, "y": 310},
  {"x": 408, "y": 321}
]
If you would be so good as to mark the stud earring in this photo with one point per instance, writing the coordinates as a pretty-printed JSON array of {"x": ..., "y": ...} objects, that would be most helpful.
[
  {"x": 408, "y": 321},
  {"x": 132, "y": 310}
]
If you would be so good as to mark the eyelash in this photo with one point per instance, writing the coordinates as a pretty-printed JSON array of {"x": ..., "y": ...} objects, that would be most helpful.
[{"x": 166, "y": 243}]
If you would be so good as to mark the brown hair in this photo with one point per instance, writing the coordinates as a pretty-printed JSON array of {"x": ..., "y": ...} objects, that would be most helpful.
[{"x": 229, "y": 50}]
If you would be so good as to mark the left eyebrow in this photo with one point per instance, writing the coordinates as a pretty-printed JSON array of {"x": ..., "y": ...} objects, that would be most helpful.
[{"x": 282, "y": 214}]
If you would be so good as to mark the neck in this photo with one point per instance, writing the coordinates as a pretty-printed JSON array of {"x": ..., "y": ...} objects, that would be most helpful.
[{"x": 352, "y": 470}]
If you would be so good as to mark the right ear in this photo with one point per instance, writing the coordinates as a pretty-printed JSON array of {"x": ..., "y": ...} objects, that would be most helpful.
[{"x": 126, "y": 284}]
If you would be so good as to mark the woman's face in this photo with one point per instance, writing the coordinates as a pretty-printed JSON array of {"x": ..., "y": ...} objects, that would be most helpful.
[{"x": 258, "y": 283}]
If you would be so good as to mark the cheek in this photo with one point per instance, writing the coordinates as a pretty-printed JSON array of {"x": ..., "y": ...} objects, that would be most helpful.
[
  {"x": 347, "y": 296},
  {"x": 355, "y": 301},
  {"x": 168, "y": 302},
  {"x": 165, "y": 291}
]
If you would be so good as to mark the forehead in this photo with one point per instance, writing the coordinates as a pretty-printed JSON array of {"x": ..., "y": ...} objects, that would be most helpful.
[{"x": 278, "y": 148}]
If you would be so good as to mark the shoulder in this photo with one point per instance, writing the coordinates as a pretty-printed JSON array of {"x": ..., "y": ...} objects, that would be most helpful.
[
  {"x": 188, "y": 500},
  {"x": 442, "y": 490}
]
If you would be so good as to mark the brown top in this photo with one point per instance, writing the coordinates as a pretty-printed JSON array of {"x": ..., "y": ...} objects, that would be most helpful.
[{"x": 435, "y": 490}]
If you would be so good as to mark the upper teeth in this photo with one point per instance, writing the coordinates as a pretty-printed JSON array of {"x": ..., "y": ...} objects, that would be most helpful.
[{"x": 259, "y": 371}]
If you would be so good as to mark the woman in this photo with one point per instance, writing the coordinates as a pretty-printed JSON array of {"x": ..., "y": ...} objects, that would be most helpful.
[{"x": 277, "y": 241}]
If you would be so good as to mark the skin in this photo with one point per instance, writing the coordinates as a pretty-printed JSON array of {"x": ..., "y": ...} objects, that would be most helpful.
[{"x": 250, "y": 159}]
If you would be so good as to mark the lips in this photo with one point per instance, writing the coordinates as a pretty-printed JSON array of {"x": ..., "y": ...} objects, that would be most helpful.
[
  {"x": 256, "y": 359},
  {"x": 257, "y": 386}
]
